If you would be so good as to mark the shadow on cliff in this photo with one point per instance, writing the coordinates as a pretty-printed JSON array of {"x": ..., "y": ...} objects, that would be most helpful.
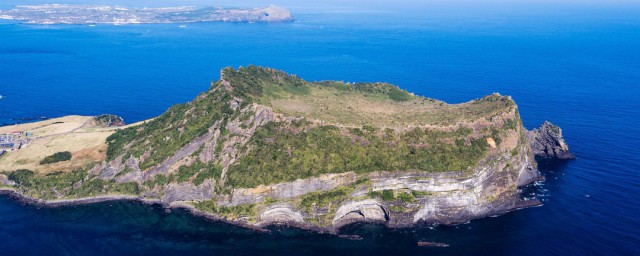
[{"x": 550, "y": 166}]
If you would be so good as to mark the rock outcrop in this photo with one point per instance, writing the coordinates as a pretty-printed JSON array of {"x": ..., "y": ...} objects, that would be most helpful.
[
  {"x": 547, "y": 142},
  {"x": 280, "y": 214},
  {"x": 186, "y": 191},
  {"x": 370, "y": 210},
  {"x": 4, "y": 181},
  {"x": 292, "y": 189},
  {"x": 107, "y": 120}
]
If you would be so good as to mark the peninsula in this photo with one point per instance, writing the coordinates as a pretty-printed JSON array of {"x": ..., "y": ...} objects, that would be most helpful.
[
  {"x": 264, "y": 147},
  {"x": 103, "y": 14}
]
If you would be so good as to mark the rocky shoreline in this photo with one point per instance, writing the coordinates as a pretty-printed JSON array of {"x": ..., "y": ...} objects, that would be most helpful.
[
  {"x": 336, "y": 230},
  {"x": 19, "y": 197}
]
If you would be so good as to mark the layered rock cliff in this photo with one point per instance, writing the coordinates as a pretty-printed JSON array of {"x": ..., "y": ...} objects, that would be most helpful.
[{"x": 264, "y": 147}]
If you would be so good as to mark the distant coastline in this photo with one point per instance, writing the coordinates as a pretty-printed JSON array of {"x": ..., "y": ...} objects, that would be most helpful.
[{"x": 49, "y": 14}]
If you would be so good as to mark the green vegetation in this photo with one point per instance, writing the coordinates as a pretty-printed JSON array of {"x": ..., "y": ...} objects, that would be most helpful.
[
  {"x": 203, "y": 171},
  {"x": 169, "y": 132},
  {"x": 212, "y": 172},
  {"x": 421, "y": 193},
  {"x": 129, "y": 188},
  {"x": 98, "y": 186},
  {"x": 393, "y": 195},
  {"x": 107, "y": 120},
  {"x": 159, "y": 179},
  {"x": 185, "y": 172},
  {"x": 511, "y": 124},
  {"x": 124, "y": 171},
  {"x": 406, "y": 197},
  {"x": 22, "y": 177},
  {"x": 253, "y": 82},
  {"x": 324, "y": 198},
  {"x": 279, "y": 155},
  {"x": 397, "y": 94},
  {"x": 43, "y": 186},
  {"x": 57, "y": 157},
  {"x": 397, "y": 208},
  {"x": 70, "y": 184},
  {"x": 495, "y": 134},
  {"x": 90, "y": 188},
  {"x": 182, "y": 123},
  {"x": 391, "y": 91},
  {"x": 200, "y": 170},
  {"x": 386, "y": 195},
  {"x": 269, "y": 200},
  {"x": 275, "y": 154},
  {"x": 231, "y": 212}
]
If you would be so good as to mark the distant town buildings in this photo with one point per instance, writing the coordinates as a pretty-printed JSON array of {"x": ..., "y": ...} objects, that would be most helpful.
[{"x": 14, "y": 141}]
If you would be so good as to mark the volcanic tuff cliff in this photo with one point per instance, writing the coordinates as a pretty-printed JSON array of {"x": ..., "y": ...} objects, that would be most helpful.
[{"x": 262, "y": 147}]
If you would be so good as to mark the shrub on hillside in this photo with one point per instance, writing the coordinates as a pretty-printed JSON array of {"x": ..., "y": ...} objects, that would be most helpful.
[{"x": 57, "y": 157}]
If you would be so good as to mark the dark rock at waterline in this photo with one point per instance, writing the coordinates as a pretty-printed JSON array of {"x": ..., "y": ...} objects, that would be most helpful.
[
  {"x": 547, "y": 142},
  {"x": 350, "y": 237},
  {"x": 432, "y": 244}
]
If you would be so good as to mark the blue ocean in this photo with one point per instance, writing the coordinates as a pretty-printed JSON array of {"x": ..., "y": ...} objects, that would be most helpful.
[{"x": 575, "y": 64}]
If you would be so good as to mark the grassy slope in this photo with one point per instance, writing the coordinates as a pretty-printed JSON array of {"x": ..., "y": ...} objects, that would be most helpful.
[
  {"x": 75, "y": 134},
  {"x": 378, "y": 105},
  {"x": 355, "y": 135},
  {"x": 359, "y": 130},
  {"x": 56, "y": 135},
  {"x": 362, "y": 127}
]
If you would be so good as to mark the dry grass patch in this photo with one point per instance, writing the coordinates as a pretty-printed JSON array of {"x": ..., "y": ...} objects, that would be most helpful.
[
  {"x": 69, "y": 133},
  {"x": 48, "y": 127},
  {"x": 358, "y": 108},
  {"x": 86, "y": 148}
]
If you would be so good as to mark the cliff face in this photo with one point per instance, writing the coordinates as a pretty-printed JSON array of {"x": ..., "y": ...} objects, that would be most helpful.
[{"x": 263, "y": 147}]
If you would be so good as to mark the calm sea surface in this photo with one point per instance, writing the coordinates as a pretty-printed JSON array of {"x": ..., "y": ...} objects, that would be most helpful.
[{"x": 577, "y": 66}]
